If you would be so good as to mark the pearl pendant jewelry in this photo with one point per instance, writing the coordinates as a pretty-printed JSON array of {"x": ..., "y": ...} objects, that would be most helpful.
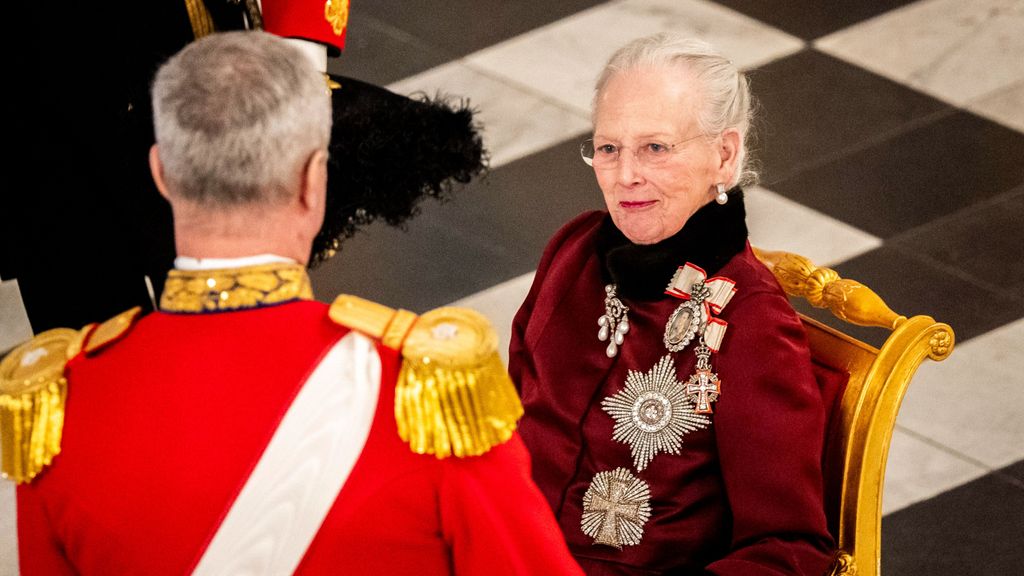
[{"x": 614, "y": 324}]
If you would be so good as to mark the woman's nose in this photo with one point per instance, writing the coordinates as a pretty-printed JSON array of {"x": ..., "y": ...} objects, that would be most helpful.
[{"x": 629, "y": 169}]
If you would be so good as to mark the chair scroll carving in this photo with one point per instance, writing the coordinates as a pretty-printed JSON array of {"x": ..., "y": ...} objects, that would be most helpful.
[
  {"x": 855, "y": 457},
  {"x": 823, "y": 288},
  {"x": 843, "y": 565}
]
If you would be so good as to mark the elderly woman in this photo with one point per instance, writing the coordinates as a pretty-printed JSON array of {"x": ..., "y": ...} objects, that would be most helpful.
[{"x": 672, "y": 414}]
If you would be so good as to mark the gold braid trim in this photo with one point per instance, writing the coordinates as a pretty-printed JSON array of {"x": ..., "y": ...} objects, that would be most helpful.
[
  {"x": 453, "y": 395},
  {"x": 199, "y": 16},
  {"x": 195, "y": 291},
  {"x": 32, "y": 395}
]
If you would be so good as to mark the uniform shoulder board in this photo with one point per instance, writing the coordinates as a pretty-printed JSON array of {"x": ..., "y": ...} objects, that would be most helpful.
[
  {"x": 453, "y": 395},
  {"x": 112, "y": 330},
  {"x": 33, "y": 390},
  {"x": 375, "y": 320},
  {"x": 32, "y": 394}
]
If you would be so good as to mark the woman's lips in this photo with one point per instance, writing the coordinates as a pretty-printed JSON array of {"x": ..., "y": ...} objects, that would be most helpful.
[{"x": 636, "y": 204}]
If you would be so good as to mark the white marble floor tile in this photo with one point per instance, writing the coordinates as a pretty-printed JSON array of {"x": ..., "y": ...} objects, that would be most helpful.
[
  {"x": 8, "y": 529},
  {"x": 499, "y": 304},
  {"x": 1005, "y": 106},
  {"x": 516, "y": 122},
  {"x": 954, "y": 50},
  {"x": 917, "y": 470},
  {"x": 564, "y": 58},
  {"x": 778, "y": 223},
  {"x": 973, "y": 402},
  {"x": 15, "y": 327}
]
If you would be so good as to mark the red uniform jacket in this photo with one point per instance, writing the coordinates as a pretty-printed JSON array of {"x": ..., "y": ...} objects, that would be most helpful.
[
  {"x": 164, "y": 426},
  {"x": 744, "y": 495}
]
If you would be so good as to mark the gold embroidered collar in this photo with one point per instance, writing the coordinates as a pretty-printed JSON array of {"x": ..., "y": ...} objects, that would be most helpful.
[{"x": 198, "y": 291}]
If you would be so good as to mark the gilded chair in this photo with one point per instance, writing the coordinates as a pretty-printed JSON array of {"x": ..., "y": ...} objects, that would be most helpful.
[{"x": 861, "y": 426}]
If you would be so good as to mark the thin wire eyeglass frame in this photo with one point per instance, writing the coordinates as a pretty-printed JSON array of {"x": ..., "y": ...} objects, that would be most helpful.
[{"x": 589, "y": 160}]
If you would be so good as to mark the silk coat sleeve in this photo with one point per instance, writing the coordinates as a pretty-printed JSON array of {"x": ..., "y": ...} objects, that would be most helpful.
[{"x": 768, "y": 429}]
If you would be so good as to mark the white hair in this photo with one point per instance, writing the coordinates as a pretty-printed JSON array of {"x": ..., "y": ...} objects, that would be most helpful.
[
  {"x": 237, "y": 115},
  {"x": 726, "y": 96}
]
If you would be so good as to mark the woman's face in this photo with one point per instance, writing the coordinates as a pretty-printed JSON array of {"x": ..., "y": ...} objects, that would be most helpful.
[{"x": 652, "y": 108}]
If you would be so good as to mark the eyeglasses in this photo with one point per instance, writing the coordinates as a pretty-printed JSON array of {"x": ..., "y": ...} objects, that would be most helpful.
[{"x": 606, "y": 156}]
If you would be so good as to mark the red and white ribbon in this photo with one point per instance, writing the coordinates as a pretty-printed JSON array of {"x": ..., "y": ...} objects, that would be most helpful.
[{"x": 722, "y": 290}]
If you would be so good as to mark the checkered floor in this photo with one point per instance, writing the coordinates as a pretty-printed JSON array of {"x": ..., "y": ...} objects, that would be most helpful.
[{"x": 891, "y": 140}]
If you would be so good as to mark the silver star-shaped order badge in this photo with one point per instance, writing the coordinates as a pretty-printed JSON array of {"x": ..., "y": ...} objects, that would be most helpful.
[{"x": 652, "y": 413}]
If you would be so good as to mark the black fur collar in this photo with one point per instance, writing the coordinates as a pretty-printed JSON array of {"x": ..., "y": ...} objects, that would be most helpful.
[{"x": 710, "y": 238}]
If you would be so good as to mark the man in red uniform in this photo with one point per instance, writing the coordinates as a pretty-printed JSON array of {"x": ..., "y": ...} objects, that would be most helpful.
[{"x": 243, "y": 427}]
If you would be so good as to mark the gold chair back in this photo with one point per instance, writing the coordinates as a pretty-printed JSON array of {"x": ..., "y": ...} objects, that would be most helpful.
[{"x": 858, "y": 447}]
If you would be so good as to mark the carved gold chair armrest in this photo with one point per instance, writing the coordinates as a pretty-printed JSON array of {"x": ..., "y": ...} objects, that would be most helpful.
[
  {"x": 855, "y": 457},
  {"x": 849, "y": 300}
]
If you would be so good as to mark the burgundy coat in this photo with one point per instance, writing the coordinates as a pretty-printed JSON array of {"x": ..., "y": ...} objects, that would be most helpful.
[{"x": 744, "y": 495}]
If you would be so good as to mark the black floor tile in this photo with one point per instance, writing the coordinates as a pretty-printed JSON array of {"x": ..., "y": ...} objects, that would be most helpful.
[
  {"x": 912, "y": 286},
  {"x": 973, "y": 530},
  {"x": 460, "y": 27},
  {"x": 814, "y": 108},
  {"x": 915, "y": 177},
  {"x": 495, "y": 229},
  {"x": 418, "y": 268},
  {"x": 985, "y": 240},
  {"x": 380, "y": 53},
  {"x": 1015, "y": 472},
  {"x": 810, "y": 19},
  {"x": 389, "y": 40}
]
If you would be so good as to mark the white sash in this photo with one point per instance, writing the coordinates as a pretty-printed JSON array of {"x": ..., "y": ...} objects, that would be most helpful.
[{"x": 281, "y": 507}]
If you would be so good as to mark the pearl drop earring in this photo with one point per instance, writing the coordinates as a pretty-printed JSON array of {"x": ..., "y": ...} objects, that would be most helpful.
[{"x": 722, "y": 197}]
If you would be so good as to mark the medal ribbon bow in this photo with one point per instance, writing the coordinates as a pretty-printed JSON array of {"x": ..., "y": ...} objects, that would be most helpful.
[{"x": 716, "y": 294}]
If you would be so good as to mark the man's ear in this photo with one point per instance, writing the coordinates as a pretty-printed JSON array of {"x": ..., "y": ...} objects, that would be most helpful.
[
  {"x": 156, "y": 168},
  {"x": 313, "y": 192}
]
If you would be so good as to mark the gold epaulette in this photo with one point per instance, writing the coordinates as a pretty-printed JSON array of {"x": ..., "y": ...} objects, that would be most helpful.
[
  {"x": 33, "y": 390},
  {"x": 453, "y": 395},
  {"x": 32, "y": 393}
]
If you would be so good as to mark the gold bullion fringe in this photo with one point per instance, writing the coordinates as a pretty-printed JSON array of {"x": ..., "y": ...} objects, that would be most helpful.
[
  {"x": 31, "y": 424},
  {"x": 465, "y": 411}
]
